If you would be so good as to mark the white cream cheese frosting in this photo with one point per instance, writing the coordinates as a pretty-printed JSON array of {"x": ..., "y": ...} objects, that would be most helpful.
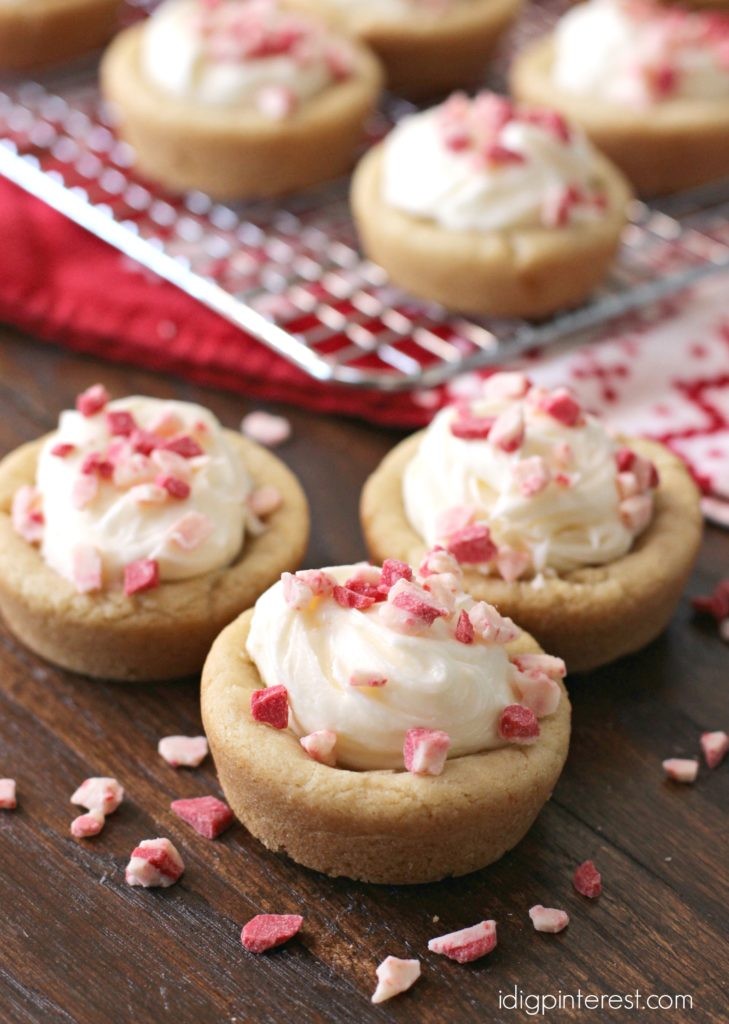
[
  {"x": 325, "y": 654},
  {"x": 632, "y": 51},
  {"x": 486, "y": 165},
  {"x": 551, "y": 492},
  {"x": 130, "y": 497},
  {"x": 242, "y": 53}
]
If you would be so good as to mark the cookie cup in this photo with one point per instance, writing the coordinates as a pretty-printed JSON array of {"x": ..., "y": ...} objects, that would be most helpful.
[
  {"x": 426, "y": 54},
  {"x": 158, "y": 634},
  {"x": 234, "y": 153},
  {"x": 672, "y": 145},
  {"x": 590, "y": 616},
  {"x": 524, "y": 272},
  {"x": 374, "y": 826},
  {"x": 36, "y": 33}
]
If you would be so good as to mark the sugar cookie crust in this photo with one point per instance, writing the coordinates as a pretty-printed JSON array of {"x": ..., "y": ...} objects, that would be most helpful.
[
  {"x": 590, "y": 616},
  {"x": 387, "y": 827},
  {"x": 160, "y": 634}
]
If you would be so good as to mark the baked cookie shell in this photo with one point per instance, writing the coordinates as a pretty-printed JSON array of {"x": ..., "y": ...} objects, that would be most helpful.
[
  {"x": 670, "y": 146},
  {"x": 387, "y": 827},
  {"x": 232, "y": 153},
  {"x": 525, "y": 272},
  {"x": 159, "y": 634},
  {"x": 36, "y": 33},
  {"x": 422, "y": 54},
  {"x": 590, "y": 616}
]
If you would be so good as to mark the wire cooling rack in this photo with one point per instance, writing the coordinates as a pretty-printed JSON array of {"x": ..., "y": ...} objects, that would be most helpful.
[{"x": 290, "y": 273}]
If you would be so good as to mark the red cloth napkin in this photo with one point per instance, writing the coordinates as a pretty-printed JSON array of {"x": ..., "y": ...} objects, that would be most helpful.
[{"x": 663, "y": 374}]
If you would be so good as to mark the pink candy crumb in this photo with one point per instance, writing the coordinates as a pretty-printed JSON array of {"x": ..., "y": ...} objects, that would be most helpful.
[
  {"x": 209, "y": 816},
  {"x": 8, "y": 795},
  {"x": 99, "y": 793},
  {"x": 468, "y": 944},
  {"x": 395, "y": 976},
  {"x": 87, "y": 825},
  {"x": 681, "y": 769},
  {"x": 518, "y": 724},
  {"x": 548, "y": 919},
  {"x": 266, "y": 931},
  {"x": 154, "y": 863},
  {"x": 587, "y": 880},
  {"x": 715, "y": 746},
  {"x": 319, "y": 745},
  {"x": 141, "y": 575},
  {"x": 425, "y": 751},
  {"x": 266, "y": 429},
  {"x": 270, "y": 705},
  {"x": 92, "y": 400},
  {"x": 183, "y": 751}
]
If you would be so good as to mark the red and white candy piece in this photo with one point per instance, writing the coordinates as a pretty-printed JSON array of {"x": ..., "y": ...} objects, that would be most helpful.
[
  {"x": 266, "y": 429},
  {"x": 88, "y": 824},
  {"x": 300, "y": 588},
  {"x": 416, "y": 604},
  {"x": 450, "y": 520},
  {"x": 531, "y": 476},
  {"x": 681, "y": 769},
  {"x": 518, "y": 724},
  {"x": 183, "y": 751},
  {"x": 266, "y": 931},
  {"x": 27, "y": 514},
  {"x": 547, "y": 663},
  {"x": 92, "y": 400},
  {"x": 141, "y": 575},
  {"x": 537, "y": 691},
  {"x": 715, "y": 746},
  {"x": 99, "y": 794},
  {"x": 471, "y": 545},
  {"x": 191, "y": 530},
  {"x": 512, "y": 564},
  {"x": 367, "y": 678},
  {"x": 8, "y": 796},
  {"x": 468, "y": 944},
  {"x": 425, "y": 750},
  {"x": 394, "y": 570},
  {"x": 500, "y": 386},
  {"x": 154, "y": 863},
  {"x": 209, "y": 816},
  {"x": 636, "y": 512},
  {"x": 319, "y": 745},
  {"x": 86, "y": 568},
  {"x": 465, "y": 633},
  {"x": 491, "y": 626},
  {"x": 85, "y": 489},
  {"x": 587, "y": 880},
  {"x": 548, "y": 919},
  {"x": 276, "y": 102},
  {"x": 507, "y": 432},
  {"x": 439, "y": 562},
  {"x": 395, "y": 976},
  {"x": 271, "y": 706},
  {"x": 561, "y": 405}
]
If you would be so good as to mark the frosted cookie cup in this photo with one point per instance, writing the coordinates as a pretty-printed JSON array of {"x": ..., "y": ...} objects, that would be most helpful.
[
  {"x": 384, "y": 726},
  {"x": 37, "y": 33},
  {"x": 426, "y": 46},
  {"x": 237, "y": 99},
  {"x": 490, "y": 209},
  {"x": 584, "y": 540},
  {"x": 648, "y": 84},
  {"x": 128, "y": 538}
]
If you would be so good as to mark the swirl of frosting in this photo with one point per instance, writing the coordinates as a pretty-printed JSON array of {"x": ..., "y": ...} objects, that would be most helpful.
[
  {"x": 140, "y": 479},
  {"x": 243, "y": 53},
  {"x": 485, "y": 165},
  {"x": 553, "y": 488},
  {"x": 641, "y": 52},
  {"x": 369, "y": 669}
]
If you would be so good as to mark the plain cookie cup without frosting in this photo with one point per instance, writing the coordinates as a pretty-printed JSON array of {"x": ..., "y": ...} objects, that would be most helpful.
[
  {"x": 590, "y": 616},
  {"x": 36, "y": 33},
  {"x": 424, "y": 53},
  {"x": 230, "y": 152},
  {"x": 524, "y": 272},
  {"x": 671, "y": 145},
  {"x": 164, "y": 633},
  {"x": 374, "y": 826}
]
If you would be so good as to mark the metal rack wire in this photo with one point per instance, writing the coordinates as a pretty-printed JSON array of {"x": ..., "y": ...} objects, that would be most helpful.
[{"x": 290, "y": 273}]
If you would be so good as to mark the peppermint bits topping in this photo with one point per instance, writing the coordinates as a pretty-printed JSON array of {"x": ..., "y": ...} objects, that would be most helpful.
[
  {"x": 154, "y": 863},
  {"x": 518, "y": 724},
  {"x": 548, "y": 919},
  {"x": 209, "y": 816},
  {"x": 587, "y": 880},
  {"x": 266, "y": 931},
  {"x": 395, "y": 976},
  {"x": 271, "y": 706},
  {"x": 8, "y": 799},
  {"x": 714, "y": 746},
  {"x": 425, "y": 751},
  {"x": 468, "y": 944},
  {"x": 141, "y": 575},
  {"x": 93, "y": 400}
]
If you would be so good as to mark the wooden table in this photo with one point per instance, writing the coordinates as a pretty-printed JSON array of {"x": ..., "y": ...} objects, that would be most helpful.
[{"x": 78, "y": 945}]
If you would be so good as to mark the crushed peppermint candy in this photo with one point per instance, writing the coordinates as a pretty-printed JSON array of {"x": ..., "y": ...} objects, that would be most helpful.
[
  {"x": 99, "y": 793},
  {"x": 715, "y": 747},
  {"x": 468, "y": 944},
  {"x": 518, "y": 724},
  {"x": 471, "y": 545},
  {"x": 87, "y": 825},
  {"x": 681, "y": 769},
  {"x": 425, "y": 751},
  {"x": 320, "y": 746},
  {"x": 267, "y": 931},
  {"x": 395, "y": 976},
  {"x": 266, "y": 429},
  {"x": 548, "y": 919},
  {"x": 27, "y": 514},
  {"x": 183, "y": 751},
  {"x": 141, "y": 575},
  {"x": 154, "y": 863},
  {"x": 264, "y": 501},
  {"x": 587, "y": 880},
  {"x": 270, "y": 705},
  {"x": 209, "y": 816},
  {"x": 86, "y": 569},
  {"x": 93, "y": 400},
  {"x": 8, "y": 796}
]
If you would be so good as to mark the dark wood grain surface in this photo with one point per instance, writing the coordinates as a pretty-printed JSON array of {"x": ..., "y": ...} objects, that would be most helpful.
[{"x": 78, "y": 945}]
